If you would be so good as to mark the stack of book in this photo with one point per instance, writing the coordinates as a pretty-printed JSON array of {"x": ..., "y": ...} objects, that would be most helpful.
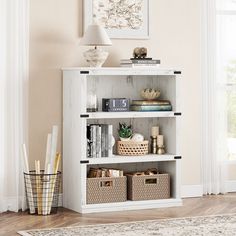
[
  {"x": 104, "y": 172},
  {"x": 99, "y": 140},
  {"x": 143, "y": 62},
  {"x": 150, "y": 105}
]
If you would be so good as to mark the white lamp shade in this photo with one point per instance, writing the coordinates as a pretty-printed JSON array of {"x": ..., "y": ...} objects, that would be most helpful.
[{"x": 95, "y": 35}]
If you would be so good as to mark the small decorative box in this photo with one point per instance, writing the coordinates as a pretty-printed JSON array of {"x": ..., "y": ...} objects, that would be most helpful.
[{"x": 115, "y": 104}]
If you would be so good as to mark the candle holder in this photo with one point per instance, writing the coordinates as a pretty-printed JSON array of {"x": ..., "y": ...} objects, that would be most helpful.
[
  {"x": 154, "y": 144},
  {"x": 161, "y": 150}
]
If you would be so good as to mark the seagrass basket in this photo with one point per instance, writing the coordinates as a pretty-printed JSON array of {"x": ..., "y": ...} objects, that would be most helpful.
[
  {"x": 131, "y": 148},
  {"x": 148, "y": 187},
  {"x": 106, "y": 190}
]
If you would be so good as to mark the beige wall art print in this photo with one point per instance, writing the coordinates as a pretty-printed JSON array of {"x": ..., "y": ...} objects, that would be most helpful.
[{"x": 121, "y": 18}]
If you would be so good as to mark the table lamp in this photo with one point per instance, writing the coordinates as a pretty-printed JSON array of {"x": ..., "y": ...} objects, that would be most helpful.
[{"x": 95, "y": 35}]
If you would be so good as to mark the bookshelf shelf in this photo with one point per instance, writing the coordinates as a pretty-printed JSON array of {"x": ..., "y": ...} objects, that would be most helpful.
[
  {"x": 122, "y": 71},
  {"x": 130, "y": 114},
  {"x": 133, "y": 159},
  {"x": 117, "y": 83}
]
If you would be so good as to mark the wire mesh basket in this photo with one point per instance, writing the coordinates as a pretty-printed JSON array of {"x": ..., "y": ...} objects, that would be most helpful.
[{"x": 42, "y": 192}]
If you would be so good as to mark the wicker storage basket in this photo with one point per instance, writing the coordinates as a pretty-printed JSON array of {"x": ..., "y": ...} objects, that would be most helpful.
[
  {"x": 148, "y": 187},
  {"x": 130, "y": 148},
  {"x": 106, "y": 189}
]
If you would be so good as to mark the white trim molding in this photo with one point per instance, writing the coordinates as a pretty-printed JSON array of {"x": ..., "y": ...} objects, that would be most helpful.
[
  {"x": 12, "y": 203},
  {"x": 231, "y": 186},
  {"x": 188, "y": 191}
]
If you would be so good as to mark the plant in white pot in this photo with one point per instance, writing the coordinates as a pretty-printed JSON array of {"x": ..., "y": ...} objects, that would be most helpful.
[{"x": 125, "y": 132}]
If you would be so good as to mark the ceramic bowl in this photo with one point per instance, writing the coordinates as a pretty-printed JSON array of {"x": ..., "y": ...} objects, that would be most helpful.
[
  {"x": 150, "y": 94},
  {"x": 137, "y": 137}
]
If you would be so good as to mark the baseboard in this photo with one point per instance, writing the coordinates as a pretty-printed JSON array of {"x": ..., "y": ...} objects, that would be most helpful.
[
  {"x": 13, "y": 204},
  {"x": 231, "y": 186},
  {"x": 188, "y": 191}
]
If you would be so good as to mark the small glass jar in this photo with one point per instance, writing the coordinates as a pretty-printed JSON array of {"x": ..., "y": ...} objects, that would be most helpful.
[{"x": 92, "y": 103}]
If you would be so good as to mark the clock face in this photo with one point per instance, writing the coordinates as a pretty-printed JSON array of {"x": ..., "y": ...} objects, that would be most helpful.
[{"x": 120, "y": 103}]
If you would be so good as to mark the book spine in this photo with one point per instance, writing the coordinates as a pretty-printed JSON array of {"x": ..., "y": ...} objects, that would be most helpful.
[
  {"x": 151, "y": 108},
  {"x": 139, "y": 64},
  {"x": 103, "y": 140},
  {"x": 89, "y": 141},
  {"x": 146, "y": 61},
  {"x": 149, "y": 103},
  {"x": 98, "y": 141},
  {"x": 93, "y": 139},
  {"x": 110, "y": 137},
  {"x": 106, "y": 141}
]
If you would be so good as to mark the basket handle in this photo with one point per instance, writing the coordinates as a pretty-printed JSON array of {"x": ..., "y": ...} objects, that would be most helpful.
[
  {"x": 152, "y": 180},
  {"x": 106, "y": 183}
]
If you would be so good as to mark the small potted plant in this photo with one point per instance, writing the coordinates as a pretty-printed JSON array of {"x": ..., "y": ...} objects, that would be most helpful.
[{"x": 125, "y": 132}]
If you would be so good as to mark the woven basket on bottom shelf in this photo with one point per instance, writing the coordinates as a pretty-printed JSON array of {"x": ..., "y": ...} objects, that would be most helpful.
[
  {"x": 131, "y": 148},
  {"x": 148, "y": 187},
  {"x": 106, "y": 190}
]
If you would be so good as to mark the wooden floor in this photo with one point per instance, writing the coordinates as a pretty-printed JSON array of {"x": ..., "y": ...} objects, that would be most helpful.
[{"x": 10, "y": 223}]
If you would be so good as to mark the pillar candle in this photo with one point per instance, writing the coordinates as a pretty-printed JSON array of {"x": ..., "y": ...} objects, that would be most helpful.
[
  {"x": 160, "y": 140},
  {"x": 155, "y": 130}
]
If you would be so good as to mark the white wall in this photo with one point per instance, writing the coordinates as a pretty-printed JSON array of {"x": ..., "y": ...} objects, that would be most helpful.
[{"x": 55, "y": 30}]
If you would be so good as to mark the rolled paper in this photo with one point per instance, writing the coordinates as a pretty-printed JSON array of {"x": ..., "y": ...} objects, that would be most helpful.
[
  {"x": 53, "y": 181},
  {"x": 29, "y": 191},
  {"x": 46, "y": 187},
  {"x": 160, "y": 140},
  {"x": 48, "y": 153},
  {"x": 155, "y": 131},
  {"x": 38, "y": 187},
  {"x": 53, "y": 146}
]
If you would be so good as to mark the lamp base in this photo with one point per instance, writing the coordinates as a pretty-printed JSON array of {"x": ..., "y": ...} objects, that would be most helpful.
[{"x": 95, "y": 57}]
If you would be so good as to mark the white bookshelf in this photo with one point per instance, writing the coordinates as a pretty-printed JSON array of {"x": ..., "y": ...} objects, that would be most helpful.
[{"x": 108, "y": 82}]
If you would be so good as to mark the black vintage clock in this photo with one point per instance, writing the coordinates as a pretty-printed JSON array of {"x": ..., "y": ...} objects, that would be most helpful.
[{"x": 115, "y": 104}]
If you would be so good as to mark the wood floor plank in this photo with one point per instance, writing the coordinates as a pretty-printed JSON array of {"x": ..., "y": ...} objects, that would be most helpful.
[{"x": 10, "y": 223}]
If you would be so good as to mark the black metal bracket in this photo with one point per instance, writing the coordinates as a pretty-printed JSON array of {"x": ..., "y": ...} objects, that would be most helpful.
[
  {"x": 177, "y": 72},
  {"x": 177, "y": 113},
  {"x": 84, "y": 162},
  {"x": 177, "y": 157},
  {"x": 84, "y": 72},
  {"x": 84, "y": 116}
]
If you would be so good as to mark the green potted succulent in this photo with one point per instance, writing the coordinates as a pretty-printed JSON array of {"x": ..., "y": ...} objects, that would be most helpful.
[{"x": 125, "y": 132}]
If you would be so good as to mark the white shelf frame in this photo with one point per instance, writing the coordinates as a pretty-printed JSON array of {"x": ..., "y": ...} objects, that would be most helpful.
[
  {"x": 131, "y": 205},
  {"x": 75, "y": 162}
]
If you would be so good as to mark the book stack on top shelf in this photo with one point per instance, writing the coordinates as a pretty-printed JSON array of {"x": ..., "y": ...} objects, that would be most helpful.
[
  {"x": 140, "y": 62},
  {"x": 99, "y": 140},
  {"x": 150, "y": 105}
]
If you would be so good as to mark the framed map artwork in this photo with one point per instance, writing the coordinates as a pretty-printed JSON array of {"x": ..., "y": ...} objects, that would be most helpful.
[{"x": 120, "y": 18}]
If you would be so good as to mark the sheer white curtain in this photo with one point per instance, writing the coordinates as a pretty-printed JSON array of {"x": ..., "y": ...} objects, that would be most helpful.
[
  {"x": 13, "y": 100},
  {"x": 214, "y": 104}
]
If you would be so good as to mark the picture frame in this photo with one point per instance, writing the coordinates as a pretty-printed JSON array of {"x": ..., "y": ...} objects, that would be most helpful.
[{"x": 114, "y": 17}]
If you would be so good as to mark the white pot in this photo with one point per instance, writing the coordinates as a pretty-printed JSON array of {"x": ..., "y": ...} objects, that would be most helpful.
[{"x": 125, "y": 139}]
